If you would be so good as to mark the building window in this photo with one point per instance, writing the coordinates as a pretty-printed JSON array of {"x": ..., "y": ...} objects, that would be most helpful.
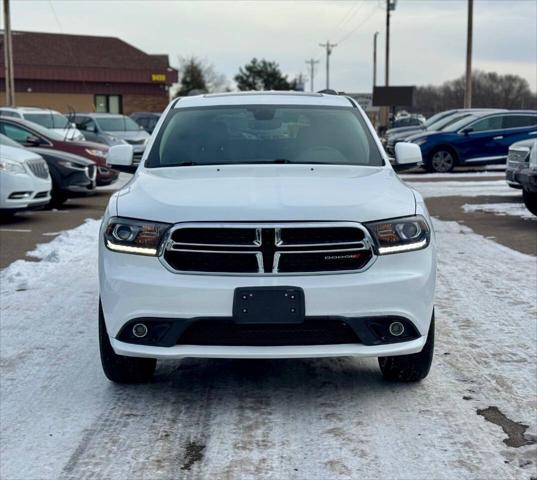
[{"x": 108, "y": 104}]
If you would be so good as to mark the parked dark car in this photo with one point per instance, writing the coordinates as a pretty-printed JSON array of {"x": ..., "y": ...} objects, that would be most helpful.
[
  {"x": 71, "y": 175},
  {"x": 521, "y": 171},
  {"x": 147, "y": 120},
  {"x": 480, "y": 138},
  {"x": 410, "y": 121},
  {"x": 517, "y": 159},
  {"x": 113, "y": 129},
  {"x": 30, "y": 134}
]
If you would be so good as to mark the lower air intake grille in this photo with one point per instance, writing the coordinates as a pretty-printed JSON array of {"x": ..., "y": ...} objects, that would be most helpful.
[{"x": 227, "y": 333}]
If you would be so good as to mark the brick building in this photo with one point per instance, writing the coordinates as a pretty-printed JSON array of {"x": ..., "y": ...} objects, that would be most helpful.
[{"x": 86, "y": 73}]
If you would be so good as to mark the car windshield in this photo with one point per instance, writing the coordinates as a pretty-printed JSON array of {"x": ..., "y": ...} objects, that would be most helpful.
[
  {"x": 117, "y": 124},
  {"x": 6, "y": 141},
  {"x": 264, "y": 134},
  {"x": 46, "y": 132},
  {"x": 460, "y": 123},
  {"x": 437, "y": 116},
  {"x": 48, "y": 120},
  {"x": 444, "y": 124}
]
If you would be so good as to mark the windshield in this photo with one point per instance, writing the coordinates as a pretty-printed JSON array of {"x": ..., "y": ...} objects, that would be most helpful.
[
  {"x": 117, "y": 124},
  {"x": 264, "y": 134},
  {"x": 48, "y": 120},
  {"x": 446, "y": 122},
  {"x": 435, "y": 118},
  {"x": 460, "y": 123},
  {"x": 8, "y": 142},
  {"x": 46, "y": 132}
]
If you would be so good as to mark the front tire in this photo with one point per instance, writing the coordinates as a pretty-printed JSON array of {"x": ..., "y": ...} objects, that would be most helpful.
[
  {"x": 441, "y": 160},
  {"x": 118, "y": 368},
  {"x": 530, "y": 200},
  {"x": 410, "y": 368}
]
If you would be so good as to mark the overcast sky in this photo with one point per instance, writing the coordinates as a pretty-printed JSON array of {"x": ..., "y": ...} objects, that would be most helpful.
[{"x": 428, "y": 37}]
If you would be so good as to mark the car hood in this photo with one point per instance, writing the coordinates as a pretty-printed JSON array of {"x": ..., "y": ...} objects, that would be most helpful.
[
  {"x": 133, "y": 135},
  {"x": 423, "y": 135},
  {"x": 398, "y": 130},
  {"x": 265, "y": 193}
]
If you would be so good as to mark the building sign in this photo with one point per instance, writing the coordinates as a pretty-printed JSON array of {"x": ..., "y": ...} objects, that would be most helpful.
[
  {"x": 158, "y": 77},
  {"x": 393, "y": 96}
]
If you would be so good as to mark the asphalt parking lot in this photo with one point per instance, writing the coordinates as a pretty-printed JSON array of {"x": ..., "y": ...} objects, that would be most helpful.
[{"x": 20, "y": 233}]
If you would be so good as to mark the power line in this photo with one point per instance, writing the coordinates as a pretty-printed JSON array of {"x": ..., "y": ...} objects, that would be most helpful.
[
  {"x": 357, "y": 27},
  {"x": 312, "y": 62}
]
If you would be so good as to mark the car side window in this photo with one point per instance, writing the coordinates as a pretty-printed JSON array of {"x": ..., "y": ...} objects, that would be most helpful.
[
  {"x": 519, "y": 121},
  {"x": 85, "y": 123},
  {"x": 7, "y": 113},
  {"x": 15, "y": 132},
  {"x": 490, "y": 123}
]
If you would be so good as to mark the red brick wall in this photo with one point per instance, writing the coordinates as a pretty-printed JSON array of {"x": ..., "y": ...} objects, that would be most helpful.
[{"x": 145, "y": 103}]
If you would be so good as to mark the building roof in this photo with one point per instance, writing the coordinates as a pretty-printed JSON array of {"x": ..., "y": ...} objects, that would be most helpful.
[{"x": 37, "y": 52}]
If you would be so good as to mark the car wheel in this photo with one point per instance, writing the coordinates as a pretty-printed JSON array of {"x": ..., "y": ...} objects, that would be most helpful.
[
  {"x": 410, "y": 368},
  {"x": 441, "y": 161},
  {"x": 57, "y": 198},
  {"x": 118, "y": 368},
  {"x": 530, "y": 200}
]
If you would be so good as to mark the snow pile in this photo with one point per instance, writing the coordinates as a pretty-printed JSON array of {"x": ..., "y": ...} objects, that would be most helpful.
[
  {"x": 512, "y": 209},
  {"x": 298, "y": 419},
  {"x": 464, "y": 188}
]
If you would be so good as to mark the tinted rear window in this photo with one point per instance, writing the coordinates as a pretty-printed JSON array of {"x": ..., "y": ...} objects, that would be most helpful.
[{"x": 264, "y": 134}]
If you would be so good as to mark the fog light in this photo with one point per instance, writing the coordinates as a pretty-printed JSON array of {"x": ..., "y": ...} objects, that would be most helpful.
[
  {"x": 396, "y": 329},
  {"x": 139, "y": 330}
]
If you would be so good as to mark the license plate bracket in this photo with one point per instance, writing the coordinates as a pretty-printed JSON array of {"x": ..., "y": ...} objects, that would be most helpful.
[{"x": 272, "y": 305}]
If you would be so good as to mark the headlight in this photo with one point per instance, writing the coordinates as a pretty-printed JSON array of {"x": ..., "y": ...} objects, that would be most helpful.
[
  {"x": 96, "y": 153},
  {"x": 134, "y": 236},
  {"x": 11, "y": 167},
  {"x": 68, "y": 164},
  {"x": 400, "y": 234},
  {"x": 533, "y": 156}
]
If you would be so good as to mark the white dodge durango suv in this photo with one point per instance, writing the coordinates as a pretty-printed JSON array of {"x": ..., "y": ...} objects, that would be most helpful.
[{"x": 266, "y": 225}]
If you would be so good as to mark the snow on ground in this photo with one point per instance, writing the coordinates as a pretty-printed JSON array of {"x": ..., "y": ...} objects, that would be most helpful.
[
  {"x": 451, "y": 188},
  {"x": 271, "y": 419},
  {"x": 512, "y": 209}
]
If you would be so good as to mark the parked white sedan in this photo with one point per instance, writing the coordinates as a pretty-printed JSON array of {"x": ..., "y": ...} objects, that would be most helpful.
[{"x": 24, "y": 180}]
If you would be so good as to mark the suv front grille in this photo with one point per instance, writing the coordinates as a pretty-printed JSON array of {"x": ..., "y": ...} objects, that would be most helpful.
[
  {"x": 517, "y": 156},
  {"x": 269, "y": 249},
  {"x": 227, "y": 333},
  {"x": 38, "y": 168}
]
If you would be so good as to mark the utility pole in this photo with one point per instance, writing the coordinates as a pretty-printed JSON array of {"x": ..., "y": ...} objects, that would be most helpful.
[
  {"x": 375, "y": 59},
  {"x": 390, "y": 6},
  {"x": 8, "y": 58},
  {"x": 329, "y": 46},
  {"x": 468, "y": 88},
  {"x": 312, "y": 62}
]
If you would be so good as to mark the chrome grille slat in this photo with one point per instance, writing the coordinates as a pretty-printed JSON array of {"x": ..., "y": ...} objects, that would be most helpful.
[
  {"x": 38, "y": 167},
  {"x": 346, "y": 243}
]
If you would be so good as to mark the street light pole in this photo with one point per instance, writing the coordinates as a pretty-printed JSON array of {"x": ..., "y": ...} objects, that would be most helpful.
[
  {"x": 312, "y": 62},
  {"x": 328, "y": 47},
  {"x": 390, "y": 5},
  {"x": 8, "y": 58},
  {"x": 375, "y": 59},
  {"x": 469, "y": 35}
]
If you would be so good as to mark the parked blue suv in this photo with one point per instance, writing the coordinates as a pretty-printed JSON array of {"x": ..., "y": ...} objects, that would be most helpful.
[{"x": 482, "y": 137}]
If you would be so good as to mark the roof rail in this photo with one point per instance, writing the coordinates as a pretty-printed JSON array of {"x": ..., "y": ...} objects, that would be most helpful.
[{"x": 328, "y": 91}]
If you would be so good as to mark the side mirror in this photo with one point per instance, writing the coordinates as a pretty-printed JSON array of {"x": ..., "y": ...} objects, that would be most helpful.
[
  {"x": 407, "y": 156},
  {"x": 119, "y": 157},
  {"x": 466, "y": 131},
  {"x": 33, "y": 140}
]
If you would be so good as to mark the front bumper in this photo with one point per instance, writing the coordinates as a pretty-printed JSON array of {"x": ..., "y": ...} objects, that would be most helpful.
[
  {"x": 395, "y": 285},
  {"x": 37, "y": 189},
  {"x": 527, "y": 178}
]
